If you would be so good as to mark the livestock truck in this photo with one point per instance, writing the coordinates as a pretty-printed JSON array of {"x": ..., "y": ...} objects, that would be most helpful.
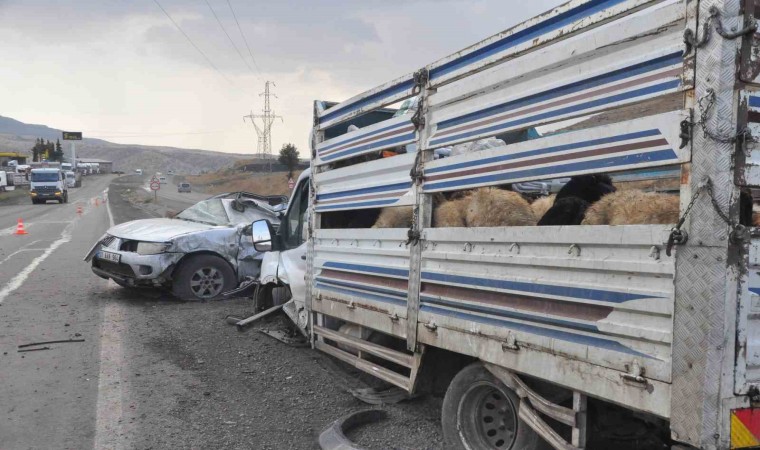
[{"x": 564, "y": 335}]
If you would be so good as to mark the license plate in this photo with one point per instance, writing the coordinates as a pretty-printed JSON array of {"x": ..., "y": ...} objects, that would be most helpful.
[{"x": 108, "y": 256}]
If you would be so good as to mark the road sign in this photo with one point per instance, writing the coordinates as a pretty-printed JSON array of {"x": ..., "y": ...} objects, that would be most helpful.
[
  {"x": 155, "y": 185},
  {"x": 72, "y": 135},
  {"x": 291, "y": 183}
]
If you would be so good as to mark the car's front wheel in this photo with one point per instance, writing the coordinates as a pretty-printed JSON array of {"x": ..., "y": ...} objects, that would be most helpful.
[{"x": 203, "y": 277}]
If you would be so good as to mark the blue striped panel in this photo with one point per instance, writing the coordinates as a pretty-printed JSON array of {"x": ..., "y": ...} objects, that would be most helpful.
[
  {"x": 580, "y": 12},
  {"x": 554, "y": 23},
  {"x": 368, "y": 269},
  {"x": 755, "y": 290},
  {"x": 511, "y": 314},
  {"x": 661, "y": 87},
  {"x": 561, "y": 91},
  {"x": 387, "y": 92},
  {"x": 366, "y": 287},
  {"x": 368, "y": 190},
  {"x": 545, "y": 150},
  {"x": 362, "y": 136},
  {"x": 364, "y": 295},
  {"x": 369, "y": 204},
  {"x": 754, "y": 101},
  {"x": 540, "y": 331},
  {"x": 597, "y": 295},
  {"x": 605, "y": 164},
  {"x": 405, "y": 138}
]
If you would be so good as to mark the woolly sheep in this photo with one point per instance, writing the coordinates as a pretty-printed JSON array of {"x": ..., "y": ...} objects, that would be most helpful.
[
  {"x": 394, "y": 217},
  {"x": 565, "y": 211},
  {"x": 575, "y": 197},
  {"x": 633, "y": 207},
  {"x": 451, "y": 213},
  {"x": 495, "y": 208},
  {"x": 541, "y": 205}
]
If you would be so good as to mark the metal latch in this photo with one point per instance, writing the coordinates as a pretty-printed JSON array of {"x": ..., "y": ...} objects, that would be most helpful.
[
  {"x": 635, "y": 373},
  {"x": 510, "y": 343},
  {"x": 431, "y": 326}
]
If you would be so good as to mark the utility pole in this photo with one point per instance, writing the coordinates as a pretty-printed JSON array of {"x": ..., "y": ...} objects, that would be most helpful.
[{"x": 264, "y": 127}]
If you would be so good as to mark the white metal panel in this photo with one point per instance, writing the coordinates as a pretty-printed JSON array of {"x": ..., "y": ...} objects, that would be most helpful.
[
  {"x": 572, "y": 18},
  {"x": 635, "y": 144},
  {"x": 642, "y": 70},
  {"x": 603, "y": 295},
  {"x": 366, "y": 268},
  {"x": 379, "y": 183},
  {"x": 748, "y": 331},
  {"x": 394, "y": 132}
]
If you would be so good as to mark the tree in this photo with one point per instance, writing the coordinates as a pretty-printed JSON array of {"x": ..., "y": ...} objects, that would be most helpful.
[
  {"x": 289, "y": 158},
  {"x": 57, "y": 154},
  {"x": 38, "y": 150}
]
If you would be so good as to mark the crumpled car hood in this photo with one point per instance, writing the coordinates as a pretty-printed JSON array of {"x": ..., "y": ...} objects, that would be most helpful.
[{"x": 157, "y": 230}]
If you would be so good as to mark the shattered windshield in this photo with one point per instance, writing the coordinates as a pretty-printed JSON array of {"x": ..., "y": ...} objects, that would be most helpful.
[{"x": 209, "y": 211}]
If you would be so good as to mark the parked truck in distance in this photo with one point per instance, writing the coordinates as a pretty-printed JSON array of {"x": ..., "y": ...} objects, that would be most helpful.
[{"x": 48, "y": 184}]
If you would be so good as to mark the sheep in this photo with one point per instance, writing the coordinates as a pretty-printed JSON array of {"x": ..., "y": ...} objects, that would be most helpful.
[
  {"x": 565, "y": 211},
  {"x": 451, "y": 213},
  {"x": 541, "y": 205},
  {"x": 575, "y": 197},
  {"x": 394, "y": 217},
  {"x": 633, "y": 207},
  {"x": 495, "y": 208}
]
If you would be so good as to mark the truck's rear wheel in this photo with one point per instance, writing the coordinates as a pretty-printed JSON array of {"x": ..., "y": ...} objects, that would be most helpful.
[
  {"x": 480, "y": 412},
  {"x": 203, "y": 277}
]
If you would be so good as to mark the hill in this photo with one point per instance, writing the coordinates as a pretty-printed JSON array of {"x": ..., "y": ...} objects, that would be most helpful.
[{"x": 16, "y": 136}]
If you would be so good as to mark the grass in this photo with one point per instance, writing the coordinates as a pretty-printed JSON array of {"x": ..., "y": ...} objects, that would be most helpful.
[
  {"x": 8, "y": 195},
  {"x": 275, "y": 183}
]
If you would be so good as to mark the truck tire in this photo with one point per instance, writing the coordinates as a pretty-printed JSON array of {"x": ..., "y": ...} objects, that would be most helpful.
[
  {"x": 480, "y": 412},
  {"x": 66, "y": 197},
  {"x": 203, "y": 277}
]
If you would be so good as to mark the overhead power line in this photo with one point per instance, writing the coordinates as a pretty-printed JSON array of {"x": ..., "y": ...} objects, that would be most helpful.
[
  {"x": 193, "y": 44},
  {"x": 221, "y": 25},
  {"x": 243, "y": 35}
]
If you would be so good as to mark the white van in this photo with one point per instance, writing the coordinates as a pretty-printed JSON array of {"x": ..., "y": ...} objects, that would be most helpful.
[{"x": 71, "y": 179}]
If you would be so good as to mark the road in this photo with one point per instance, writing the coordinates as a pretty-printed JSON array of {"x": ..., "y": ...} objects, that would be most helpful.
[{"x": 148, "y": 371}]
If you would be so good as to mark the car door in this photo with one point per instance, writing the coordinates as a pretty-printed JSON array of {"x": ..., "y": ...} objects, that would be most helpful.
[{"x": 292, "y": 267}]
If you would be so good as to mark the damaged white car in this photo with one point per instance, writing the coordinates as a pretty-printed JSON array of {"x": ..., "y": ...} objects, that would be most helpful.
[{"x": 199, "y": 254}]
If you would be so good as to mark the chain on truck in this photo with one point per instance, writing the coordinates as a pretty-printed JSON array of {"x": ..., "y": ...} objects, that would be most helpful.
[{"x": 558, "y": 334}]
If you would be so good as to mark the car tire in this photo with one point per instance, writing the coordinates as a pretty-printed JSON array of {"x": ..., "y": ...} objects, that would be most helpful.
[
  {"x": 65, "y": 197},
  {"x": 203, "y": 277},
  {"x": 479, "y": 411}
]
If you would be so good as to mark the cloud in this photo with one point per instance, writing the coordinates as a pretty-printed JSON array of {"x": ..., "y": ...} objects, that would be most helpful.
[{"x": 123, "y": 68}]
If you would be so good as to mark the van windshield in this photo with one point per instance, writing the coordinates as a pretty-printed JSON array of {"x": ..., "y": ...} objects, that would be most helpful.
[{"x": 45, "y": 176}]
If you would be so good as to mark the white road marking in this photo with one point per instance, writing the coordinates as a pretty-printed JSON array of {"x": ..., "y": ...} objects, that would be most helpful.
[
  {"x": 21, "y": 277},
  {"x": 22, "y": 249},
  {"x": 111, "y": 390}
]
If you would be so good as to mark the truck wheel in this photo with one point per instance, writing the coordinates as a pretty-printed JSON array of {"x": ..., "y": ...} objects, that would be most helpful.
[
  {"x": 480, "y": 412},
  {"x": 203, "y": 277}
]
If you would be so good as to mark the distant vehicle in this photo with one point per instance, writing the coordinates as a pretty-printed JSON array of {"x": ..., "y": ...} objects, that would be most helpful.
[
  {"x": 48, "y": 184},
  {"x": 95, "y": 167},
  {"x": 71, "y": 179},
  {"x": 183, "y": 187},
  {"x": 162, "y": 179},
  {"x": 138, "y": 171},
  {"x": 171, "y": 172},
  {"x": 202, "y": 252},
  {"x": 4, "y": 181},
  {"x": 66, "y": 167}
]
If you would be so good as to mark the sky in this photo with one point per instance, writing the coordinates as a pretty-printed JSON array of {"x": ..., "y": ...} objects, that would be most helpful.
[{"x": 121, "y": 71}]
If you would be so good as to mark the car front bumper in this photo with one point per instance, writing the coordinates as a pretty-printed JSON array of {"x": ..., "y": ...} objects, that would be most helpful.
[{"x": 135, "y": 269}]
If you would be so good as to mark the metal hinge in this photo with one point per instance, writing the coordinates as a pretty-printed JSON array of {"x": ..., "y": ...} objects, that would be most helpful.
[
  {"x": 510, "y": 343},
  {"x": 635, "y": 373}
]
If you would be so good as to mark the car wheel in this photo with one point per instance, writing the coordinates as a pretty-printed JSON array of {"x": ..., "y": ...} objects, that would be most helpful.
[
  {"x": 480, "y": 412},
  {"x": 203, "y": 277},
  {"x": 66, "y": 197}
]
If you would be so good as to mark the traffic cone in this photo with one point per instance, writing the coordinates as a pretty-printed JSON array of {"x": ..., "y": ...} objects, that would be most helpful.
[
  {"x": 79, "y": 209},
  {"x": 97, "y": 201},
  {"x": 20, "y": 227}
]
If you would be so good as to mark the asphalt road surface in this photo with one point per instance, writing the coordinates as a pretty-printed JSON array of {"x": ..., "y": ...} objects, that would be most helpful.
[{"x": 145, "y": 371}]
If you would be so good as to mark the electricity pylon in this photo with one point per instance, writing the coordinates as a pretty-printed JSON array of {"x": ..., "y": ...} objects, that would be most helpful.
[{"x": 264, "y": 127}]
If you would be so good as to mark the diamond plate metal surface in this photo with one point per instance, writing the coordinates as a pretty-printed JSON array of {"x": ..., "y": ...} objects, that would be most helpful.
[{"x": 700, "y": 309}]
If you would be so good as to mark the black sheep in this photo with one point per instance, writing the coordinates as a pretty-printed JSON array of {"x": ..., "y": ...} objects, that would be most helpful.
[{"x": 575, "y": 197}]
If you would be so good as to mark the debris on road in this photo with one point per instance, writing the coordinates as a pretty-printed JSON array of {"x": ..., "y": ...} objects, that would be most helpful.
[
  {"x": 32, "y": 349},
  {"x": 374, "y": 396},
  {"x": 62, "y": 341},
  {"x": 241, "y": 324},
  {"x": 334, "y": 437}
]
